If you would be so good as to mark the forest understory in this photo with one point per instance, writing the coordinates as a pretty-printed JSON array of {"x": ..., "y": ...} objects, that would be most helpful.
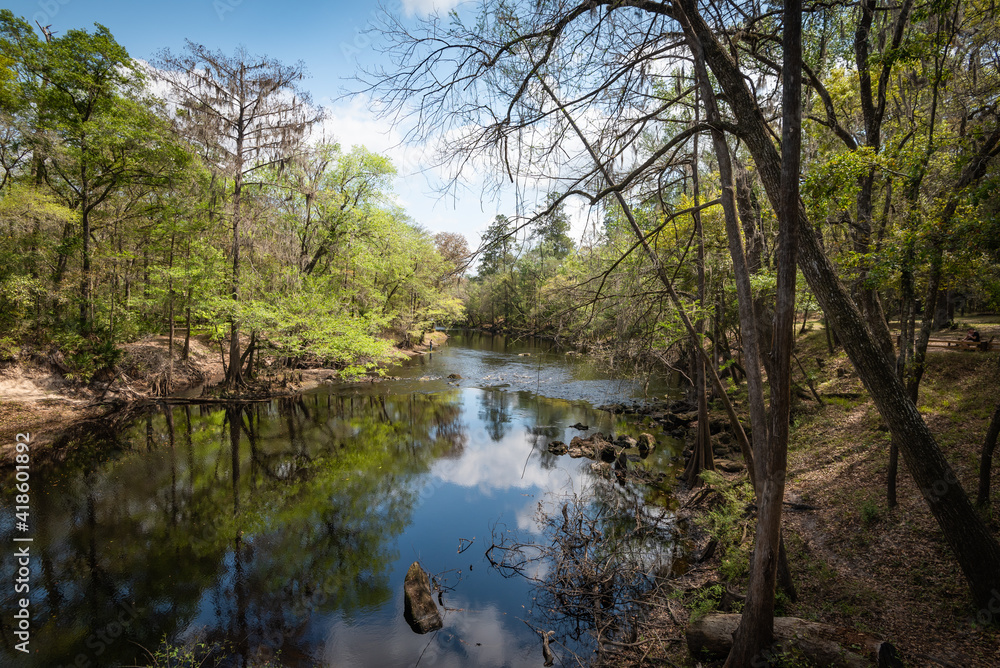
[{"x": 855, "y": 562}]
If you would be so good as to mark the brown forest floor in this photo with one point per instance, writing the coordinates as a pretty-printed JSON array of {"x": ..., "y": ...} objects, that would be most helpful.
[{"x": 856, "y": 563}]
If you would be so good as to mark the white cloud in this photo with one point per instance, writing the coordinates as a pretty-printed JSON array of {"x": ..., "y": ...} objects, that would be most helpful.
[
  {"x": 490, "y": 465},
  {"x": 426, "y": 7},
  {"x": 467, "y": 209}
]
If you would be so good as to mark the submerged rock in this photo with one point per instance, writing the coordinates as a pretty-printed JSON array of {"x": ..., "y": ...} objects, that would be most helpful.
[
  {"x": 592, "y": 447},
  {"x": 558, "y": 448},
  {"x": 580, "y": 447},
  {"x": 626, "y": 441},
  {"x": 420, "y": 612},
  {"x": 646, "y": 444},
  {"x": 607, "y": 451}
]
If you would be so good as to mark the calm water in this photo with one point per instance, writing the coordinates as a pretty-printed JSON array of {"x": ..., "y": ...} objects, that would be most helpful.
[{"x": 284, "y": 529}]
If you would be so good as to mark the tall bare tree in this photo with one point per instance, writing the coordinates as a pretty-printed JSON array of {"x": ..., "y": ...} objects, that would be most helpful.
[
  {"x": 509, "y": 93},
  {"x": 244, "y": 112}
]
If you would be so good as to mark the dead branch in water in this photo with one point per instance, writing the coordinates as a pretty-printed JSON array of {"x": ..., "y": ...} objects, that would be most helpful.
[{"x": 596, "y": 567}]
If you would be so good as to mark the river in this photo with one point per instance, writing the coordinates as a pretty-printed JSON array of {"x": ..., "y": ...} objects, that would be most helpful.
[{"x": 282, "y": 530}]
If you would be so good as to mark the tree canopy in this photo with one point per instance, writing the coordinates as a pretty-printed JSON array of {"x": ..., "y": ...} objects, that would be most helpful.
[{"x": 125, "y": 214}]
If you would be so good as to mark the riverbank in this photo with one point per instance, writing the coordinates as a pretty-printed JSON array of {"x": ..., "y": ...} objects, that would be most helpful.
[
  {"x": 855, "y": 562},
  {"x": 36, "y": 398}
]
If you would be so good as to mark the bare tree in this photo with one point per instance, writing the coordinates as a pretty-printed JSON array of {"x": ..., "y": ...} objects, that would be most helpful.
[
  {"x": 454, "y": 248},
  {"x": 541, "y": 79},
  {"x": 244, "y": 112}
]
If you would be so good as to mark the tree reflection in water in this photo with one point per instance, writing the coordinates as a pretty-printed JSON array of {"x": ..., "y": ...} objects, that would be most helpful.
[
  {"x": 284, "y": 526},
  {"x": 494, "y": 411},
  {"x": 240, "y": 529},
  {"x": 599, "y": 552}
]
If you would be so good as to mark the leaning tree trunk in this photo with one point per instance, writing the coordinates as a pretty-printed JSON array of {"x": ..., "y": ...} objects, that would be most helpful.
[
  {"x": 661, "y": 274},
  {"x": 907, "y": 319},
  {"x": 972, "y": 542},
  {"x": 986, "y": 459}
]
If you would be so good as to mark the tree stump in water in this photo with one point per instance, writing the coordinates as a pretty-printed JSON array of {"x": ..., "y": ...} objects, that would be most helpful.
[
  {"x": 711, "y": 637},
  {"x": 420, "y": 611}
]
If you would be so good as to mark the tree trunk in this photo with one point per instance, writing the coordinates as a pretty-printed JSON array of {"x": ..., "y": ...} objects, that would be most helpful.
[
  {"x": 187, "y": 332},
  {"x": 986, "y": 459},
  {"x": 234, "y": 376},
  {"x": 916, "y": 371},
  {"x": 711, "y": 638},
  {"x": 891, "y": 475},
  {"x": 170, "y": 315},
  {"x": 661, "y": 273},
  {"x": 943, "y": 309},
  {"x": 973, "y": 544},
  {"x": 702, "y": 458},
  {"x": 741, "y": 266},
  {"x": 755, "y": 631},
  {"x": 85, "y": 267}
]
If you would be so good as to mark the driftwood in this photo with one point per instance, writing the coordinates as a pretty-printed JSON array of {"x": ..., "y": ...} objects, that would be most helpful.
[
  {"x": 711, "y": 637},
  {"x": 420, "y": 612}
]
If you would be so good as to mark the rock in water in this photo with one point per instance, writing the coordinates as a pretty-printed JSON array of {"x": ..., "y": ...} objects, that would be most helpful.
[
  {"x": 625, "y": 441},
  {"x": 558, "y": 448},
  {"x": 420, "y": 612},
  {"x": 646, "y": 444}
]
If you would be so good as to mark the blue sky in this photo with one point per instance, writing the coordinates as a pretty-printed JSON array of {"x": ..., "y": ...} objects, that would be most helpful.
[{"x": 329, "y": 37}]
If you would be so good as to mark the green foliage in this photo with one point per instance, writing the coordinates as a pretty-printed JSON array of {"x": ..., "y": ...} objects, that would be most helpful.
[
  {"x": 85, "y": 356},
  {"x": 111, "y": 221},
  {"x": 307, "y": 324},
  {"x": 199, "y": 654},
  {"x": 551, "y": 230},
  {"x": 763, "y": 284},
  {"x": 728, "y": 523},
  {"x": 706, "y": 601},
  {"x": 870, "y": 513},
  {"x": 833, "y": 186},
  {"x": 498, "y": 245},
  {"x": 9, "y": 349}
]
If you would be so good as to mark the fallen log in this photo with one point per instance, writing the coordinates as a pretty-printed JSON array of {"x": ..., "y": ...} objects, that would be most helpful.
[
  {"x": 711, "y": 637},
  {"x": 420, "y": 612}
]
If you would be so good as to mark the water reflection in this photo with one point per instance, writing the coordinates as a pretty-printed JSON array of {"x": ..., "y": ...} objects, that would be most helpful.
[
  {"x": 284, "y": 528},
  {"x": 235, "y": 524},
  {"x": 494, "y": 410}
]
